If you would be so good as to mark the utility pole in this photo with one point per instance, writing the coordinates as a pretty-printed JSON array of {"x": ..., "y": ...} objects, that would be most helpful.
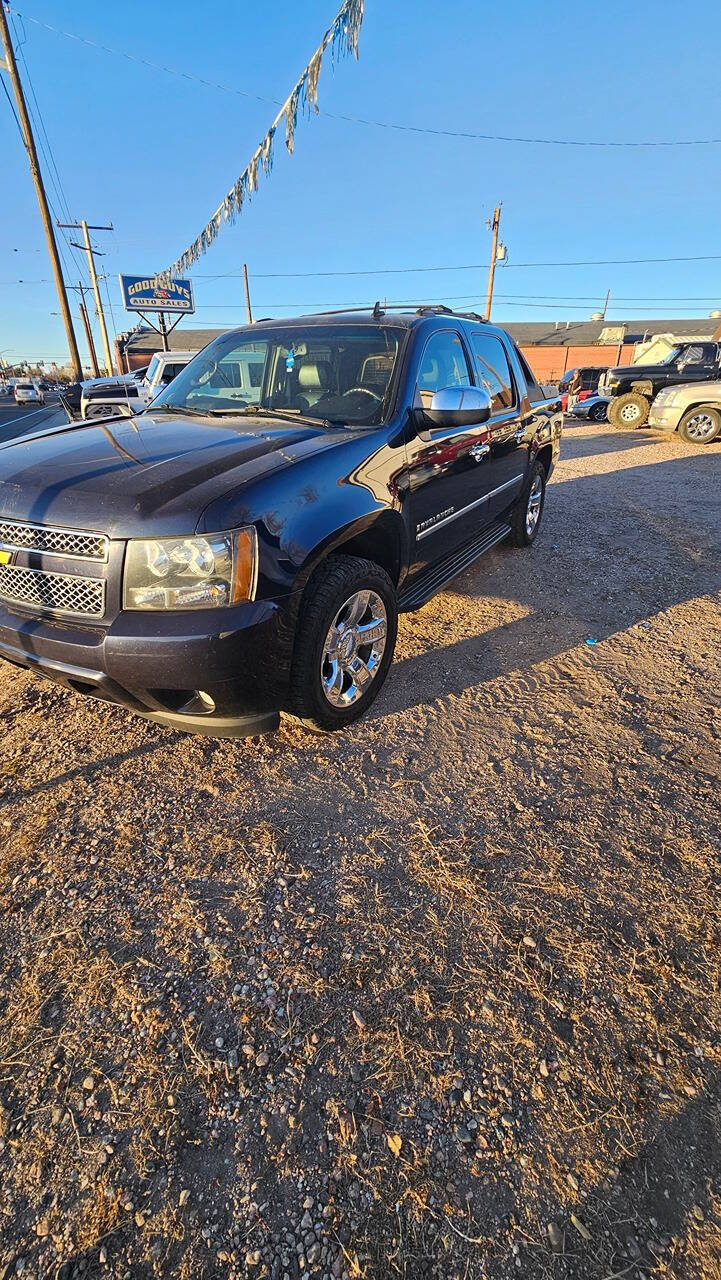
[
  {"x": 245, "y": 284},
  {"x": 88, "y": 330},
  {"x": 10, "y": 66},
  {"x": 86, "y": 229},
  {"x": 494, "y": 225}
]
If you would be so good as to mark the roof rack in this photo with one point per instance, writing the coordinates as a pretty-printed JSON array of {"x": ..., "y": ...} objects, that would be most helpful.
[{"x": 380, "y": 308}]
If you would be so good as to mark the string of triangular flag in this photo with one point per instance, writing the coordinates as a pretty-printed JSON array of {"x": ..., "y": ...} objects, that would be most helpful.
[{"x": 341, "y": 38}]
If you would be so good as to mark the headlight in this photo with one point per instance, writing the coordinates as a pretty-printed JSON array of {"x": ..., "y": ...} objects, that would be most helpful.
[{"x": 191, "y": 573}]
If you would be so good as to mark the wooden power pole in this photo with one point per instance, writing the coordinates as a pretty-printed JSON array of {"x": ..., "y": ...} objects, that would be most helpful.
[
  {"x": 86, "y": 229},
  {"x": 88, "y": 330},
  {"x": 10, "y": 65},
  {"x": 492, "y": 265}
]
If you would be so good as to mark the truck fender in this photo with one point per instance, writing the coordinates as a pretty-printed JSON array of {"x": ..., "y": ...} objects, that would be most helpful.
[
  {"x": 642, "y": 388},
  {"x": 377, "y": 535}
]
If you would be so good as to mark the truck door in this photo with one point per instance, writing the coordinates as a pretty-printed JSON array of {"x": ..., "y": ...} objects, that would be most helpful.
[
  {"x": 509, "y": 450},
  {"x": 699, "y": 362},
  {"x": 449, "y": 472}
]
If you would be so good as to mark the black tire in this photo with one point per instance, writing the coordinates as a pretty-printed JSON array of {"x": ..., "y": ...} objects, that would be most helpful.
[
  {"x": 700, "y": 425},
  {"x": 520, "y": 535},
  {"x": 599, "y": 413},
  {"x": 96, "y": 411},
  {"x": 630, "y": 411},
  {"x": 335, "y": 582}
]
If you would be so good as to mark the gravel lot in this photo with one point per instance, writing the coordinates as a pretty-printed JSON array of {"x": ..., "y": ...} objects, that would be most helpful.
[{"x": 438, "y": 996}]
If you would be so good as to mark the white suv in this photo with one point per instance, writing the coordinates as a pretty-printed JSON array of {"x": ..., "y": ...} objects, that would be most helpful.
[
  {"x": 28, "y": 393},
  {"x": 125, "y": 395}
]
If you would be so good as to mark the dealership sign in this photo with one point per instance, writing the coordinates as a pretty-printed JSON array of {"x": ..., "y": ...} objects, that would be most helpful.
[{"x": 141, "y": 293}]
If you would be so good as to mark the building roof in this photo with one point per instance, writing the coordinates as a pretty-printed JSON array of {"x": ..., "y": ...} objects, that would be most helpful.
[
  {"x": 541, "y": 333},
  {"x": 581, "y": 333}
]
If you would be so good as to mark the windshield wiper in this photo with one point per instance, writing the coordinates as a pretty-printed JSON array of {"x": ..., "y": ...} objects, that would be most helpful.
[
  {"x": 289, "y": 415},
  {"x": 175, "y": 408}
]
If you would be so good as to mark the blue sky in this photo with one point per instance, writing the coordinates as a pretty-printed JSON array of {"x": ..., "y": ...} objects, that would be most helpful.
[{"x": 155, "y": 153}]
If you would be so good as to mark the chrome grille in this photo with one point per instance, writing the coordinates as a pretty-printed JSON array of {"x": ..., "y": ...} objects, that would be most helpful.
[
  {"x": 60, "y": 592},
  {"x": 18, "y": 535}
]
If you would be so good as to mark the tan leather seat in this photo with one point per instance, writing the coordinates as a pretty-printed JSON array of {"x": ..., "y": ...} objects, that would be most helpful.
[{"x": 313, "y": 381}]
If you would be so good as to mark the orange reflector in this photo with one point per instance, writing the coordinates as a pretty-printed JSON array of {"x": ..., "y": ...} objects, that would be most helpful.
[{"x": 244, "y": 565}]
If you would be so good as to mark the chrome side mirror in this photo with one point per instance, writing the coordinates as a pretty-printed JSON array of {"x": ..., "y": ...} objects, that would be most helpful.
[{"x": 458, "y": 407}]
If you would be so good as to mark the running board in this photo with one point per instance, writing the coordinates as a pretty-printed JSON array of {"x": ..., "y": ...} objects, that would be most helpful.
[{"x": 443, "y": 571}]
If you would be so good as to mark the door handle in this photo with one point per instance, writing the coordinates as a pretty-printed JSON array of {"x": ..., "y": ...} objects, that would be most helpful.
[{"x": 479, "y": 451}]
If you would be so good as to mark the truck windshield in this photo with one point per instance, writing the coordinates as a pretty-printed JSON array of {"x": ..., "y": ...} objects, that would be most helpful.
[{"x": 340, "y": 373}]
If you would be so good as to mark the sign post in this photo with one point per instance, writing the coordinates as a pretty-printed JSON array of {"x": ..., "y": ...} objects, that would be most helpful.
[{"x": 143, "y": 294}]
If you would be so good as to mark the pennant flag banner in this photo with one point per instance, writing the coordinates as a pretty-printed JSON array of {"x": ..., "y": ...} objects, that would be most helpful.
[{"x": 341, "y": 38}]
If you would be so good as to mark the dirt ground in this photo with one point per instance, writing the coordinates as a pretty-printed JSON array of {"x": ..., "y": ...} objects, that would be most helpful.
[{"x": 436, "y": 997}]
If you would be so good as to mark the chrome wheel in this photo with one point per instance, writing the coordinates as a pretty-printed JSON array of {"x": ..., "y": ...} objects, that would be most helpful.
[
  {"x": 630, "y": 413},
  {"x": 533, "y": 510},
  {"x": 353, "y": 648},
  {"x": 701, "y": 427}
]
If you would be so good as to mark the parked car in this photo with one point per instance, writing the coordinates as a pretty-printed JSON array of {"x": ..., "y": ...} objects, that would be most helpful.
[
  {"x": 632, "y": 388},
  {"x": 693, "y": 409},
  {"x": 593, "y": 409},
  {"x": 28, "y": 393},
  {"x": 587, "y": 378},
  {"x": 130, "y": 393},
  {"x": 222, "y": 557}
]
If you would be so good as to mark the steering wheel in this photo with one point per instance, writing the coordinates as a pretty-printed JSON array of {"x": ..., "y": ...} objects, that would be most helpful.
[{"x": 366, "y": 391}]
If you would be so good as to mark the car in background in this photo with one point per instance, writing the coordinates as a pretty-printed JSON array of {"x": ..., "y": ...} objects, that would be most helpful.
[
  {"x": 693, "y": 409},
  {"x": 592, "y": 409},
  {"x": 130, "y": 393},
  {"x": 28, "y": 393},
  {"x": 589, "y": 376},
  {"x": 633, "y": 388}
]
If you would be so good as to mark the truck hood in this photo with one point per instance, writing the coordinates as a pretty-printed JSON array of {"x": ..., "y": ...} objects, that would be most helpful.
[
  {"x": 639, "y": 371},
  {"x": 153, "y": 474}
]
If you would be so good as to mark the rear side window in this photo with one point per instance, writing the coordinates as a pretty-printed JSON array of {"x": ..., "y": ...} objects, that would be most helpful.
[{"x": 492, "y": 370}]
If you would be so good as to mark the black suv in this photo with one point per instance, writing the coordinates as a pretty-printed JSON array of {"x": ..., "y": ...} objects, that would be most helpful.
[{"x": 245, "y": 545}]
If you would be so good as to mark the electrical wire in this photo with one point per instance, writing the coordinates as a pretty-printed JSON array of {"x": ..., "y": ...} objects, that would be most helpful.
[
  {"x": 377, "y": 124},
  {"x": 469, "y": 266}
]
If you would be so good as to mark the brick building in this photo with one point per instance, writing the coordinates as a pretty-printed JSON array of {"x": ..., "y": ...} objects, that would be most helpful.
[{"x": 550, "y": 347}]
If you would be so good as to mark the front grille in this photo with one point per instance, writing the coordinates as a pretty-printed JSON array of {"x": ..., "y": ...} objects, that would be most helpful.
[
  {"x": 61, "y": 592},
  {"x": 17, "y": 535}
]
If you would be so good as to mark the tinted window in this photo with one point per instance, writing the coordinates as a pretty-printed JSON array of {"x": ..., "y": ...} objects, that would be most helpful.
[
  {"x": 444, "y": 364},
  {"x": 693, "y": 355},
  {"x": 338, "y": 372},
  {"x": 492, "y": 370}
]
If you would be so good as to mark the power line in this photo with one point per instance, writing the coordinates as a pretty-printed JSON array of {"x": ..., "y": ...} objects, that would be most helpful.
[
  {"x": 469, "y": 266},
  {"x": 589, "y": 298},
  {"x": 377, "y": 124}
]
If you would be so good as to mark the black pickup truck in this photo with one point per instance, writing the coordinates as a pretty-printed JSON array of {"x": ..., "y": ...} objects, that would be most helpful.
[
  {"x": 631, "y": 388},
  {"x": 245, "y": 545}
]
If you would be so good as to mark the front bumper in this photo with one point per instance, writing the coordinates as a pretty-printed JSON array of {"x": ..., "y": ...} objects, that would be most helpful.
[
  {"x": 159, "y": 665},
  {"x": 664, "y": 417}
]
